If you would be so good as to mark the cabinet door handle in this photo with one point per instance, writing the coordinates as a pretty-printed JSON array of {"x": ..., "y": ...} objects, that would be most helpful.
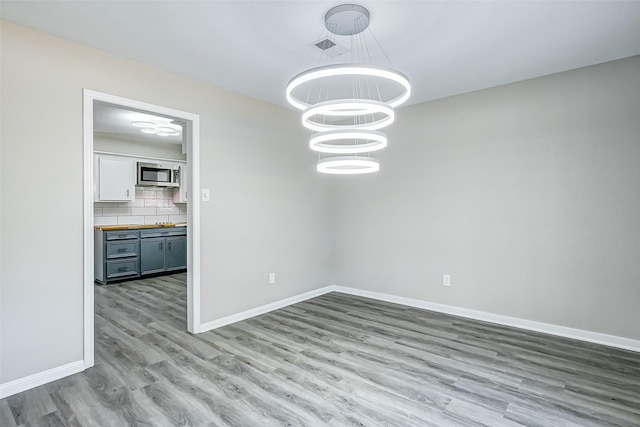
[
  {"x": 169, "y": 245},
  {"x": 122, "y": 269},
  {"x": 122, "y": 250},
  {"x": 160, "y": 245},
  {"x": 127, "y": 192}
]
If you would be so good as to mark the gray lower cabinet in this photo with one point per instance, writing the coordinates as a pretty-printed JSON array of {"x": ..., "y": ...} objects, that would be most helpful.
[
  {"x": 163, "y": 250},
  {"x": 128, "y": 254},
  {"x": 116, "y": 255},
  {"x": 176, "y": 255}
]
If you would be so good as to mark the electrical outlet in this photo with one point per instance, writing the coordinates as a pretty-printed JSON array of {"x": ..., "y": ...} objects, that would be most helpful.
[
  {"x": 446, "y": 280},
  {"x": 272, "y": 278}
]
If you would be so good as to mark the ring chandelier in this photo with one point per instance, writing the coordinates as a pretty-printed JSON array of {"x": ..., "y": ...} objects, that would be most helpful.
[{"x": 345, "y": 105}]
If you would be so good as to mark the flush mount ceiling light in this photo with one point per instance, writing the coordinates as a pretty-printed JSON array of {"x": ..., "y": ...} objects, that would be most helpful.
[
  {"x": 160, "y": 129},
  {"x": 141, "y": 124},
  {"x": 346, "y": 103}
]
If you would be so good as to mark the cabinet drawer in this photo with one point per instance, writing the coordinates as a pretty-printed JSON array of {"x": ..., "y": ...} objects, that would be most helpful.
[
  {"x": 162, "y": 232},
  {"x": 122, "y": 268},
  {"x": 121, "y": 234},
  {"x": 121, "y": 249}
]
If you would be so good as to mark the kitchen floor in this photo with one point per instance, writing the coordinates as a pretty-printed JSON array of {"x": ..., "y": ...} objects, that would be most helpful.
[{"x": 333, "y": 360}]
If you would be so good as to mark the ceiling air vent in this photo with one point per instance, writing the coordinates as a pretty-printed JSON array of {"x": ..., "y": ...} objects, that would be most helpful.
[
  {"x": 324, "y": 44},
  {"x": 329, "y": 47}
]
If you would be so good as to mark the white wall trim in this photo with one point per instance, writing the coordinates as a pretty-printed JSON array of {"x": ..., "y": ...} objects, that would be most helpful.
[
  {"x": 45, "y": 377},
  {"x": 193, "y": 210},
  {"x": 87, "y": 237},
  {"x": 21, "y": 384},
  {"x": 193, "y": 231},
  {"x": 227, "y": 320},
  {"x": 562, "y": 331},
  {"x": 135, "y": 156},
  {"x": 531, "y": 325}
]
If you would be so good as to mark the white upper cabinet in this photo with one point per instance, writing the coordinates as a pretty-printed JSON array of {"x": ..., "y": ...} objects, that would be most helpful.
[
  {"x": 180, "y": 194},
  {"x": 115, "y": 179}
]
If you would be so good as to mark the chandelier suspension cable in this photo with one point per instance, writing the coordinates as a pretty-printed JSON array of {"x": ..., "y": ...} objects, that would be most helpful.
[
  {"x": 360, "y": 58},
  {"x": 368, "y": 55},
  {"x": 358, "y": 121},
  {"x": 354, "y": 59},
  {"x": 380, "y": 47},
  {"x": 378, "y": 89},
  {"x": 366, "y": 58},
  {"x": 361, "y": 48},
  {"x": 326, "y": 35}
]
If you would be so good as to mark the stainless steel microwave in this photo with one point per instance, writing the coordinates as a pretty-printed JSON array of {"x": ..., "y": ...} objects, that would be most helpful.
[{"x": 158, "y": 175}]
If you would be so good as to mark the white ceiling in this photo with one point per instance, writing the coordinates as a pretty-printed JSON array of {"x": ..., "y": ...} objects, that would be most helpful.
[
  {"x": 115, "y": 121},
  {"x": 255, "y": 47}
]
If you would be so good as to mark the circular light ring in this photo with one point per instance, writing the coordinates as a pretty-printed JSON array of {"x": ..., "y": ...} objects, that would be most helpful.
[
  {"x": 375, "y": 141},
  {"x": 346, "y": 70},
  {"x": 149, "y": 130},
  {"x": 348, "y": 108},
  {"x": 348, "y": 165},
  {"x": 165, "y": 129},
  {"x": 144, "y": 125}
]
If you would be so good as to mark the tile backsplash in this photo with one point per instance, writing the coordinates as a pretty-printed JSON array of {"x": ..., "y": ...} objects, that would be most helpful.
[{"x": 152, "y": 205}]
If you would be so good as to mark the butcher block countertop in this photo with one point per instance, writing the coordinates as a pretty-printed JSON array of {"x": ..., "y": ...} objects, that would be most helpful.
[{"x": 135, "y": 227}]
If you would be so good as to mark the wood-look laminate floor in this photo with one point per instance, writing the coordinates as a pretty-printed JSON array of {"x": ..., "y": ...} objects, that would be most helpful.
[{"x": 334, "y": 360}]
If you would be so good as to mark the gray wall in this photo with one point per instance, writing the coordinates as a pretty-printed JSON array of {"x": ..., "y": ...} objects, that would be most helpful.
[
  {"x": 267, "y": 213},
  {"x": 527, "y": 194}
]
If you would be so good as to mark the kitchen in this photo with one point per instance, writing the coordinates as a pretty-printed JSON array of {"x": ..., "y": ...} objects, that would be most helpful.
[{"x": 140, "y": 194}]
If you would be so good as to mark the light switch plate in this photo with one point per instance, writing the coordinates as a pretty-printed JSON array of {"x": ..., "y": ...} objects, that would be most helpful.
[{"x": 206, "y": 195}]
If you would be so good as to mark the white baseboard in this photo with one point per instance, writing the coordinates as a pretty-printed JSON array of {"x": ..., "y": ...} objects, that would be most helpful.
[
  {"x": 35, "y": 380},
  {"x": 562, "y": 331},
  {"x": 224, "y": 321}
]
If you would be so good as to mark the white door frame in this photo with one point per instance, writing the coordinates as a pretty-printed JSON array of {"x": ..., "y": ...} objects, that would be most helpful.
[{"x": 193, "y": 212}]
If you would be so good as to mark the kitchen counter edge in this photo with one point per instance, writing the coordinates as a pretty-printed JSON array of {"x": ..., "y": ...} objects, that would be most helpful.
[{"x": 136, "y": 227}]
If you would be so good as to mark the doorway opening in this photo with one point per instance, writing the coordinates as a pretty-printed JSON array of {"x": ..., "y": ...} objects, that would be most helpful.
[{"x": 190, "y": 123}]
